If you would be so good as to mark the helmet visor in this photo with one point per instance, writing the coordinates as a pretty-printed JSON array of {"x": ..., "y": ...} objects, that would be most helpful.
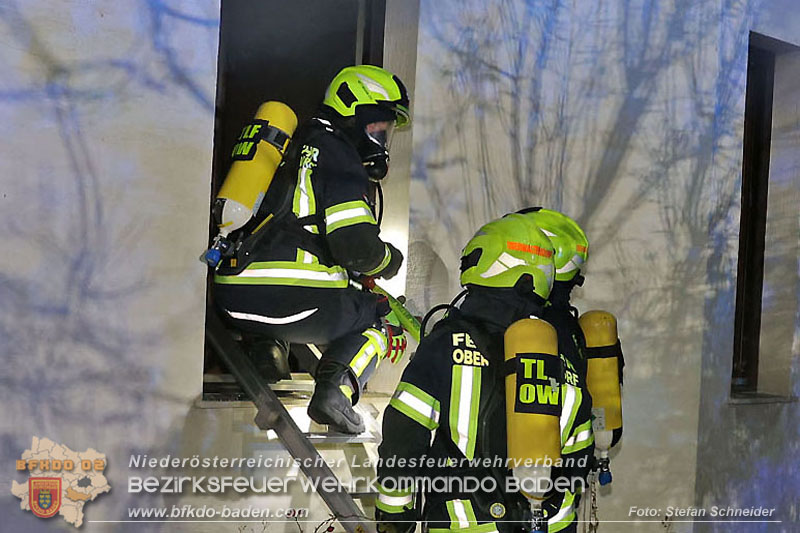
[
  {"x": 380, "y": 133},
  {"x": 403, "y": 118}
]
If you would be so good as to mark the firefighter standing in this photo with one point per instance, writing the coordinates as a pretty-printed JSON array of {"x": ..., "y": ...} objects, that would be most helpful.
[
  {"x": 589, "y": 343},
  {"x": 454, "y": 388},
  {"x": 571, "y": 252}
]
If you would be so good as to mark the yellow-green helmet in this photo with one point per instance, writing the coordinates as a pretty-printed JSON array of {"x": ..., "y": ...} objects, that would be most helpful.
[
  {"x": 365, "y": 88},
  {"x": 569, "y": 240},
  {"x": 504, "y": 250}
]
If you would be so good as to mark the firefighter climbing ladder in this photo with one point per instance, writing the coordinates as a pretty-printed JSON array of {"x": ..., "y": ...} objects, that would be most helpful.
[{"x": 272, "y": 414}]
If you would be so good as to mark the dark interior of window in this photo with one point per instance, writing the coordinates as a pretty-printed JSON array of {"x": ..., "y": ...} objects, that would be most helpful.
[
  {"x": 286, "y": 51},
  {"x": 755, "y": 180}
]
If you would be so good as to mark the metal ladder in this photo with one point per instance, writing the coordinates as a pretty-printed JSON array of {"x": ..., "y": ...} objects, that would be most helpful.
[{"x": 273, "y": 415}]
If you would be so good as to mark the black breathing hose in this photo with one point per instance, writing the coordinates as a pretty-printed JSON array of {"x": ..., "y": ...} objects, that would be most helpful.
[
  {"x": 380, "y": 202},
  {"x": 437, "y": 308},
  {"x": 428, "y": 316}
]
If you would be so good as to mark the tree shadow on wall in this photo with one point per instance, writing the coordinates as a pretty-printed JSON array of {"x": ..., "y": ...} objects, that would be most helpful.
[{"x": 76, "y": 367}]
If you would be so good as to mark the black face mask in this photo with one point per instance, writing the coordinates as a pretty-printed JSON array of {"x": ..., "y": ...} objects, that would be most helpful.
[{"x": 374, "y": 154}]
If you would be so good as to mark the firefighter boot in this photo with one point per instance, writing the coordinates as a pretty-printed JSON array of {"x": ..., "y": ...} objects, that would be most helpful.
[
  {"x": 332, "y": 400},
  {"x": 270, "y": 357}
]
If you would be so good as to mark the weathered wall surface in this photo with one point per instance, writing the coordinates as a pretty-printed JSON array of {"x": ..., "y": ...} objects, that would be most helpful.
[
  {"x": 106, "y": 116},
  {"x": 748, "y": 452},
  {"x": 627, "y": 115}
]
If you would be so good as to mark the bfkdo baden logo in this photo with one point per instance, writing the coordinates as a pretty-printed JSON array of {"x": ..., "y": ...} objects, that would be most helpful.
[
  {"x": 44, "y": 495},
  {"x": 60, "y": 480}
]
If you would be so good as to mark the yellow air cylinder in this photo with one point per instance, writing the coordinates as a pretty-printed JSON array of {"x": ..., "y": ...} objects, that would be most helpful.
[
  {"x": 602, "y": 373},
  {"x": 256, "y": 156},
  {"x": 533, "y": 391}
]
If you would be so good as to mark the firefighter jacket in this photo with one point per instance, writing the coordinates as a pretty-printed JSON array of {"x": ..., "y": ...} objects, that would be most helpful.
[
  {"x": 447, "y": 420},
  {"x": 330, "y": 227}
]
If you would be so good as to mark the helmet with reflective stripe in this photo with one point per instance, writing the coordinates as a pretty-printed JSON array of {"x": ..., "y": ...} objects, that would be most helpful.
[
  {"x": 569, "y": 240},
  {"x": 366, "y": 89},
  {"x": 505, "y": 250}
]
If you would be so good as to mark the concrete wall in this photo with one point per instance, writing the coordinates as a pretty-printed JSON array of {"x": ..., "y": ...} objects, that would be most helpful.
[
  {"x": 748, "y": 451},
  {"x": 106, "y": 117},
  {"x": 400, "y": 57},
  {"x": 779, "y": 311},
  {"x": 628, "y": 116}
]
